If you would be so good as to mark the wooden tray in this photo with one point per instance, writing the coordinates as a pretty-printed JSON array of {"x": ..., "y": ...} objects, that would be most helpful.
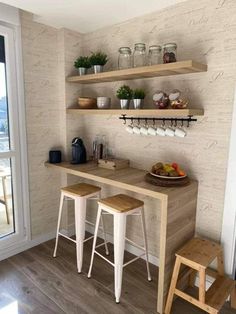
[{"x": 166, "y": 182}]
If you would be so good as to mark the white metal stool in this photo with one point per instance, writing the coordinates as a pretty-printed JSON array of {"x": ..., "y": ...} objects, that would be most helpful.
[
  {"x": 79, "y": 193},
  {"x": 120, "y": 206}
]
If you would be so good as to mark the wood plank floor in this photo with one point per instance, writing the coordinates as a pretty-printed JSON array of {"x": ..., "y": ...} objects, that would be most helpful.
[{"x": 34, "y": 282}]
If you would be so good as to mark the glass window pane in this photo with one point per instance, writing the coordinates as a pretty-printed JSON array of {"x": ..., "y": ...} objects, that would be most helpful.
[
  {"x": 4, "y": 134},
  {"x": 7, "y": 224}
]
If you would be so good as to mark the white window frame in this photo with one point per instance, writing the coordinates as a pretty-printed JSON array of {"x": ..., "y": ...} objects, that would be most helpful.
[
  {"x": 15, "y": 90},
  {"x": 228, "y": 236}
]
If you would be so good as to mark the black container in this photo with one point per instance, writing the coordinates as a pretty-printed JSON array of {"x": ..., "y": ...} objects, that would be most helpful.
[
  {"x": 79, "y": 155},
  {"x": 54, "y": 156}
]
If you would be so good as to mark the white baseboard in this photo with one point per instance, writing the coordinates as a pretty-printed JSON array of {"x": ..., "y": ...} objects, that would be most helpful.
[{"x": 25, "y": 245}]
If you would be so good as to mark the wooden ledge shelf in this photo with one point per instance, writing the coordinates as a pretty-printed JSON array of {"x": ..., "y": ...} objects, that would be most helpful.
[
  {"x": 174, "y": 113},
  {"x": 175, "y": 68}
]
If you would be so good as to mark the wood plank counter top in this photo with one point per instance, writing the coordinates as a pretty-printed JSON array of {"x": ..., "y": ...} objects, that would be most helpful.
[
  {"x": 130, "y": 179},
  {"x": 177, "y": 206}
]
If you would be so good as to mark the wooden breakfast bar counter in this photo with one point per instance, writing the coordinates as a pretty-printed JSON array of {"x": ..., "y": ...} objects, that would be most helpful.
[{"x": 177, "y": 206}]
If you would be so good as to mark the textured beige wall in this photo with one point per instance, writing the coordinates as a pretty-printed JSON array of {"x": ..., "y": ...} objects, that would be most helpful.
[
  {"x": 40, "y": 64},
  {"x": 205, "y": 31},
  {"x": 48, "y": 56}
]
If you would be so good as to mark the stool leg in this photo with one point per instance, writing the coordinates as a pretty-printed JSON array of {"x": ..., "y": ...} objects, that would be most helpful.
[
  {"x": 145, "y": 243},
  {"x": 119, "y": 247},
  {"x": 233, "y": 298},
  {"x": 202, "y": 284},
  {"x": 80, "y": 217},
  {"x": 104, "y": 234},
  {"x": 58, "y": 223},
  {"x": 220, "y": 264},
  {"x": 99, "y": 213},
  {"x": 172, "y": 286},
  {"x": 192, "y": 278}
]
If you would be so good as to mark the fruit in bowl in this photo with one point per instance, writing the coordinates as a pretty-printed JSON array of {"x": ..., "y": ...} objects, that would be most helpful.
[{"x": 168, "y": 170}]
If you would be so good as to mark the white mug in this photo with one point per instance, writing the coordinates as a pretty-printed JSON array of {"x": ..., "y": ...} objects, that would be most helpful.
[
  {"x": 129, "y": 129},
  {"x": 144, "y": 130},
  {"x": 180, "y": 132},
  {"x": 169, "y": 132},
  {"x": 152, "y": 131},
  {"x": 160, "y": 131},
  {"x": 136, "y": 130}
]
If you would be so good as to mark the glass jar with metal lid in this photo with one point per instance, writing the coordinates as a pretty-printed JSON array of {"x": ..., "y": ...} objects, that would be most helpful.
[
  {"x": 169, "y": 53},
  {"x": 125, "y": 58},
  {"x": 139, "y": 57},
  {"x": 154, "y": 55}
]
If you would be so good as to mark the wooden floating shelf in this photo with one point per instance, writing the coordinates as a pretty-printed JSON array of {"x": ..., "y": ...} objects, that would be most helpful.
[
  {"x": 174, "y": 113},
  {"x": 175, "y": 68}
]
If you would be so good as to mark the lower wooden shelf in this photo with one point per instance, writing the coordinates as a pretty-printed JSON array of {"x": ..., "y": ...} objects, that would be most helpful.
[{"x": 141, "y": 112}]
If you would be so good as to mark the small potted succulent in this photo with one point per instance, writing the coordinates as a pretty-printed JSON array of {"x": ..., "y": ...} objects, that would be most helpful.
[
  {"x": 138, "y": 97},
  {"x": 98, "y": 59},
  {"x": 124, "y": 93},
  {"x": 82, "y": 64}
]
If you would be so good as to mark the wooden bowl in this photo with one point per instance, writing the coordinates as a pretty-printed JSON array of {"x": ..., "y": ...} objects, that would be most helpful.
[{"x": 87, "y": 102}]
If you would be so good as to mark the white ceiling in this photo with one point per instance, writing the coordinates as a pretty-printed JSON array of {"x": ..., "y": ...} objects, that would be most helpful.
[{"x": 88, "y": 15}]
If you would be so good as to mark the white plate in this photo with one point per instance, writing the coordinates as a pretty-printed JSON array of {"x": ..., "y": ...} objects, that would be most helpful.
[{"x": 165, "y": 177}]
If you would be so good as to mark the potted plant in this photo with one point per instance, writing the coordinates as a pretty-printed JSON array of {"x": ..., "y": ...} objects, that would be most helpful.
[
  {"x": 98, "y": 60},
  {"x": 138, "y": 97},
  {"x": 124, "y": 93},
  {"x": 82, "y": 64}
]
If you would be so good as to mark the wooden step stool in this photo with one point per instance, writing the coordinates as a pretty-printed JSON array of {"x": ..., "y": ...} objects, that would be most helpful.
[{"x": 198, "y": 254}]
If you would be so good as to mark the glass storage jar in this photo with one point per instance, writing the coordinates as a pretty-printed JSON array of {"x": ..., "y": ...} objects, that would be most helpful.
[
  {"x": 154, "y": 55},
  {"x": 125, "y": 58},
  {"x": 139, "y": 57},
  {"x": 169, "y": 53}
]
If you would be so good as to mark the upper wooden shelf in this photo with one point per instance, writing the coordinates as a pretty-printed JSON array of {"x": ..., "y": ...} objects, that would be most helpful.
[
  {"x": 174, "y": 113},
  {"x": 175, "y": 68}
]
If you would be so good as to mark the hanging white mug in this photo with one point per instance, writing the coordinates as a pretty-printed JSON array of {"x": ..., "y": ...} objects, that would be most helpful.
[
  {"x": 152, "y": 131},
  {"x": 180, "y": 132},
  {"x": 160, "y": 131},
  {"x": 144, "y": 130},
  {"x": 169, "y": 132},
  {"x": 136, "y": 130},
  {"x": 129, "y": 129}
]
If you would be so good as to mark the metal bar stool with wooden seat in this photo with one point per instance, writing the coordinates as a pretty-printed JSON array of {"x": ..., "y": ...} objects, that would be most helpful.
[
  {"x": 120, "y": 206},
  {"x": 197, "y": 255},
  {"x": 79, "y": 193}
]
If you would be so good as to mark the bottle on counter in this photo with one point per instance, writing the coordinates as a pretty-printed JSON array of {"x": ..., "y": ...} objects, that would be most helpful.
[
  {"x": 104, "y": 147},
  {"x": 95, "y": 148},
  {"x": 100, "y": 147}
]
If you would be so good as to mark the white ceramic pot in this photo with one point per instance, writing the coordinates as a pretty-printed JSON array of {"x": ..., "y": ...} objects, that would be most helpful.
[
  {"x": 103, "y": 102},
  {"x": 124, "y": 103}
]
